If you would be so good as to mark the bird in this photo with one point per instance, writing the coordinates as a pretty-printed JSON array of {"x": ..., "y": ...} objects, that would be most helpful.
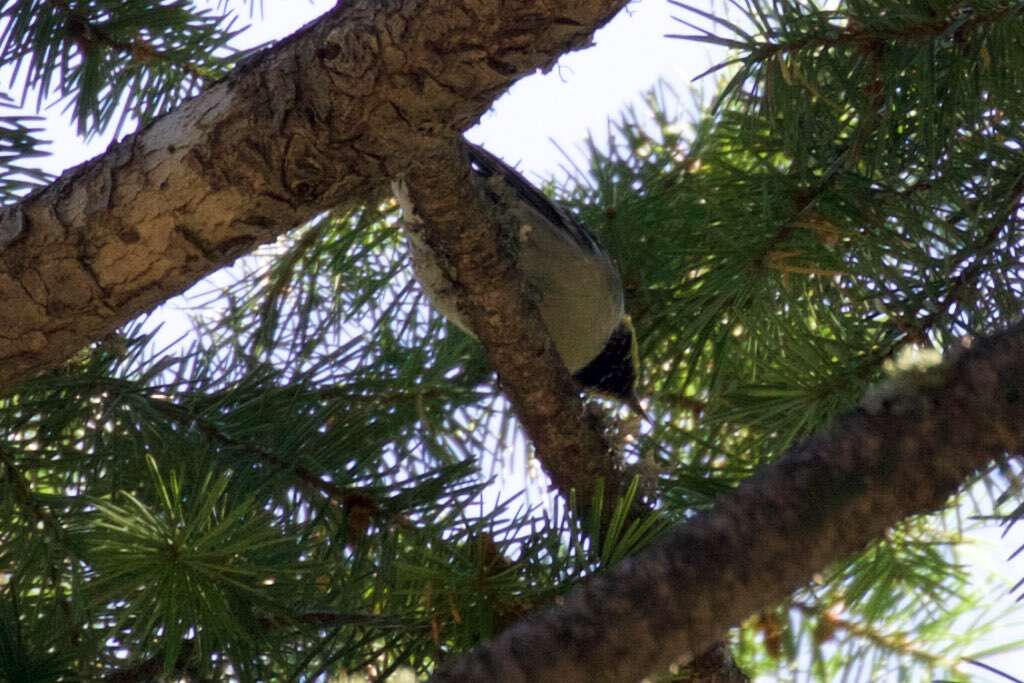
[{"x": 578, "y": 285}]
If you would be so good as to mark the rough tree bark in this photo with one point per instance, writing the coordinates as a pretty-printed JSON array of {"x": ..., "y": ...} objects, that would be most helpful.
[{"x": 314, "y": 122}]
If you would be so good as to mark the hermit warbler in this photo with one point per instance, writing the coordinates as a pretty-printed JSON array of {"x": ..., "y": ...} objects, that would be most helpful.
[{"x": 578, "y": 286}]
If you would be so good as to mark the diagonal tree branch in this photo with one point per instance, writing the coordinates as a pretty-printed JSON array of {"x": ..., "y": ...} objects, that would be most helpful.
[
  {"x": 470, "y": 242},
  {"x": 303, "y": 127},
  {"x": 829, "y": 496}
]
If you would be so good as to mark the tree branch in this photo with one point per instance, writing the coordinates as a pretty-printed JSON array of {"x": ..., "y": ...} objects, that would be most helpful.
[
  {"x": 469, "y": 240},
  {"x": 293, "y": 132},
  {"x": 828, "y": 496},
  {"x": 467, "y": 235}
]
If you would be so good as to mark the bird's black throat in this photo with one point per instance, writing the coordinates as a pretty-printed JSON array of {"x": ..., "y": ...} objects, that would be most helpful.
[{"x": 613, "y": 371}]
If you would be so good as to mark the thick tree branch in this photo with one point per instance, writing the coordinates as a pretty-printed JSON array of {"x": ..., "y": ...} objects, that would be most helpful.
[
  {"x": 826, "y": 498},
  {"x": 305, "y": 126}
]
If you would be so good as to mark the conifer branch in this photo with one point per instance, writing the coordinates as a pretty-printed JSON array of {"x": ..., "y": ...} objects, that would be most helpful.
[{"x": 828, "y": 496}]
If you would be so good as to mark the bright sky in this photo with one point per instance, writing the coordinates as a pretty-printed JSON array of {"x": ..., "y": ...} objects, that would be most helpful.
[{"x": 564, "y": 105}]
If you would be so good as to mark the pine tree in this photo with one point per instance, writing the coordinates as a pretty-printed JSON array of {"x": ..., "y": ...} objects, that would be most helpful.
[{"x": 304, "y": 486}]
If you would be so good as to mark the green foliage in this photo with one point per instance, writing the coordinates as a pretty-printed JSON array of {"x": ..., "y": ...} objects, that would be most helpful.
[
  {"x": 18, "y": 142},
  {"x": 114, "y": 59},
  {"x": 199, "y": 557},
  {"x": 265, "y": 490},
  {"x": 25, "y": 655},
  {"x": 307, "y": 484}
]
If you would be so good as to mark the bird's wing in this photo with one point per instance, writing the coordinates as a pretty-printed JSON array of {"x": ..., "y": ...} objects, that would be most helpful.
[{"x": 489, "y": 166}]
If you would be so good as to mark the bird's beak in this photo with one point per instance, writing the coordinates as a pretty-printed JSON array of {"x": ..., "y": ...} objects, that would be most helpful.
[{"x": 634, "y": 403}]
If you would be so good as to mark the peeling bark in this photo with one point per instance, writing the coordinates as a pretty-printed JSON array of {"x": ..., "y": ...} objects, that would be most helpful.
[
  {"x": 826, "y": 498},
  {"x": 318, "y": 120}
]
